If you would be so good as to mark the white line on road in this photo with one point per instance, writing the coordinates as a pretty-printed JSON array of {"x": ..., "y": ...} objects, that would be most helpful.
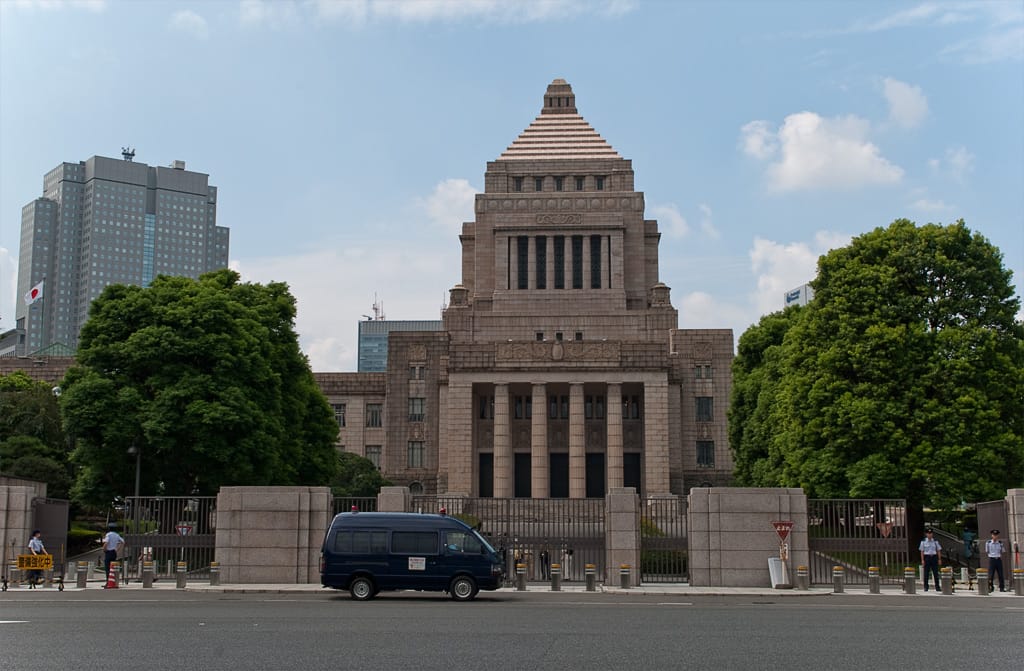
[{"x": 13, "y": 621}]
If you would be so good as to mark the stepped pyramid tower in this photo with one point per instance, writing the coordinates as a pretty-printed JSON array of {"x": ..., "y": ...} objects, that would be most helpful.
[{"x": 560, "y": 370}]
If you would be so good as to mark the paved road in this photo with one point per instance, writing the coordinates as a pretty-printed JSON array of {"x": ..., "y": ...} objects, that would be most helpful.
[{"x": 153, "y": 631}]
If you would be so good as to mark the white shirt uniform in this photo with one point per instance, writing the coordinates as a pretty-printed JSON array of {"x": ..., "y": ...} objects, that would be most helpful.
[
  {"x": 930, "y": 546},
  {"x": 994, "y": 549}
]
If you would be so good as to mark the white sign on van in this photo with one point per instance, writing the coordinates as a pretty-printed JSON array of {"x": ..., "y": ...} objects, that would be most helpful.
[{"x": 417, "y": 563}]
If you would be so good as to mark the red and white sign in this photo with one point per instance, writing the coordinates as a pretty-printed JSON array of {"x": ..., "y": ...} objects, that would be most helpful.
[
  {"x": 184, "y": 529},
  {"x": 782, "y": 528},
  {"x": 885, "y": 528}
]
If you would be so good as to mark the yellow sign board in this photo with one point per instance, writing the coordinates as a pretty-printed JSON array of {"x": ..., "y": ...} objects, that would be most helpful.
[{"x": 35, "y": 562}]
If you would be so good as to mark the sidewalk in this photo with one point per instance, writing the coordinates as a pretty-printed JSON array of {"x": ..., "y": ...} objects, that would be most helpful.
[{"x": 538, "y": 588}]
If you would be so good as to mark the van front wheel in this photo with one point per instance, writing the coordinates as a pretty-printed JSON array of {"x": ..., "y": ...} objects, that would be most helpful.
[
  {"x": 463, "y": 588},
  {"x": 361, "y": 589}
]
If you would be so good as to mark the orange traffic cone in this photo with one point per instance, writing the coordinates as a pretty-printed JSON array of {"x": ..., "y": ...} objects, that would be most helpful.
[{"x": 111, "y": 577}]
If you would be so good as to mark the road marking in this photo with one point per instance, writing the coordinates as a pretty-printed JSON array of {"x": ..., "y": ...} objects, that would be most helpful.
[
  {"x": 675, "y": 603},
  {"x": 13, "y": 621}
]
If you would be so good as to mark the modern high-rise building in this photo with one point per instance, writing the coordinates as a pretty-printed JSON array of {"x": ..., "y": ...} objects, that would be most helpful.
[
  {"x": 373, "y": 340},
  {"x": 559, "y": 370},
  {"x": 106, "y": 221}
]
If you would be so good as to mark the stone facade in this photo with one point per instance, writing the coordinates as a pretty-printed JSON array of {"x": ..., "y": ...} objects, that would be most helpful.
[{"x": 559, "y": 370}]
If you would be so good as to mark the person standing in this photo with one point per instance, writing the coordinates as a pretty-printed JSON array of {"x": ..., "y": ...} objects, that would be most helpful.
[
  {"x": 545, "y": 564},
  {"x": 112, "y": 544},
  {"x": 931, "y": 557},
  {"x": 994, "y": 548},
  {"x": 35, "y": 546}
]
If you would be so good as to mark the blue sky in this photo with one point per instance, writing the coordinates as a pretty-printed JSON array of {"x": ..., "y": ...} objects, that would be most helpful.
[{"x": 347, "y": 138}]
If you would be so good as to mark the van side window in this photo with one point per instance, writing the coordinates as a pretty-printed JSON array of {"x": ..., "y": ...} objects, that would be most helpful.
[
  {"x": 460, "y": 541},
  {"x": 361, "y": 542},
  {"x": 414, "y": 542}
]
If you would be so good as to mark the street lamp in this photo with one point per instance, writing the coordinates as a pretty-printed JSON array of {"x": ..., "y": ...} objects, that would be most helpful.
[{"x": 134, "y": 450}]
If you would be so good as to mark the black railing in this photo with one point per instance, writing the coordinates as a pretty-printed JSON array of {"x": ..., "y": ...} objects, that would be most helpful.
[{"x": 857, "y": 534}]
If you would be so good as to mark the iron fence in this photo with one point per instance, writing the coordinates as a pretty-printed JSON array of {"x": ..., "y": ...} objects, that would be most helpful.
[
  {"x": 169, "y": 529},
  {"x": 857, "y": 534},
  {"x": 364, "y": 504},
  {"x": 663, "y": 541},
  {"x": 535, "y": 532}
]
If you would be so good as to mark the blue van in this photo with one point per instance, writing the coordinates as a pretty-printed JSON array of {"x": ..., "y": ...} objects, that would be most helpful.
[{"x": 367, "y": 553}]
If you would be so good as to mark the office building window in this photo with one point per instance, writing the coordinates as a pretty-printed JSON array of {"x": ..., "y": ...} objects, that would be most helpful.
[
  {"x": 373, "y": 454},
  {"x": 630, "y": 407},
  {"x": 538, "y": 184},
  {"x": 579, "y": 183},
  {"x": 517, "y": 184},
  {"x": 705, "y": 408},
  {"x": 703, "y": 371},
  {"x": 486, "y": 407},
  {"x": 339, "y": 413},
  {"x": 599, "y": 183},
  {"x": 559, "y": 241},
  {"x": 577, "y": 262},
  {"x": 541, "y": 242},
  {"x": 595, "y": 262},
  {"x": 522, "y": 407},
  {"x": 706, "y": 453},
  {"x": 416, "y": 406},
  {"x": 540, "y": 336},
  {"x": 374, "y": 415},
  {"x": 522, "y": 262},
  {"x": 415, "y": 457},
  {"x": 559, "y": 182}
]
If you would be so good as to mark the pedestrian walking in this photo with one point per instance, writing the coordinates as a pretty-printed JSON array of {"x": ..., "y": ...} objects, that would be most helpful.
[
  {"x": 994, "y": 548},
  {"x": 112, "y": 544},
  {"x": 931, "y": 557},
  {"x": 35, "y": 546}
]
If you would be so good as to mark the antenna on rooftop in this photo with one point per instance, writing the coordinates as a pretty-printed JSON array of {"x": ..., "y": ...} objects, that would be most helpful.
[
  {"x": 378, "y": 309},
  {"x": 128, "y": 153}
]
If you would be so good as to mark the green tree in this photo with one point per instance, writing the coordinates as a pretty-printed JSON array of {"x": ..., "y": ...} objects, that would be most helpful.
[
  {"x": 205, "y": 377},
  {"x": 357, "y": 476},
  {"x": 32, "y": 443},
  {"x": 903, "y": 377}
]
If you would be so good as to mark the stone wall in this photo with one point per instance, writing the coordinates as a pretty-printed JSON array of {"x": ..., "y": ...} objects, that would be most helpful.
[
  {"x": 1015, "y": 533},
  {"x": 731, "y": 536},
  {"x": 271, "y": 534},
  {"x": 16, "y": 518}
]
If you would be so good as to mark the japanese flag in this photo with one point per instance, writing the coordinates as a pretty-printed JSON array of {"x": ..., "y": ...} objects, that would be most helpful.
[{"x": 34, "y": 294}]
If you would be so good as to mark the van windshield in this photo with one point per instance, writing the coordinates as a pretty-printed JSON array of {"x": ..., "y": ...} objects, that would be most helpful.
[{"x": 484, "y": 542}]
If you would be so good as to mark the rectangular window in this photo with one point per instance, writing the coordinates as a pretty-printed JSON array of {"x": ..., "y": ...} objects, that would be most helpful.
[
  {"x": 486, "y": 407},
  {"x": 517, "y": 184},
  {"x": 705, "y": 408},
  {"x": 595, "y": 262},
  {"x": 538, "y": 184},
  {"x": 579, "y": 183},
  {"x": 588, "y": 407},
  {"x": 559, "y": 261},
  {"x": 416, "y": 406},
  {"x": 362, "y": 542},
  {"x": 565, "y": 406},
  {"x": 522, "y": 262},
  {"x": 552, "y": 407},
  {"x": 630, "y": 407},
  {"x": 599, "y": 407},
  {"x": 706, "y": 453},
  {"x": 339, "y": 413},
  {"x": 374, "y": 415},
  {"x": 414, "y": 542},
  {"x": 577, "y": 262},
  {"x": 599, "y": 183},
  {"x": 415, "y": 458},
  {"x": 373, "y": 454},
  {"x": 559, "y": 182},
  {"x": 540, "y": 336},
  {"x": 517, "y": 408},
  {"x": 541, "y": 242}
]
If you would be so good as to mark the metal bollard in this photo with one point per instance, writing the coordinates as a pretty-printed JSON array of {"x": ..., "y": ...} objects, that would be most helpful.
[
  {"x": 147, "y": 574},
  {"x": 556, "y": 577},
  {"x": 874, "y": 580},
  {"x": 214, "y": 573},
  {"x": 521, "y": 577},
  {"x": 181, "y": 574},
  {"x": 1018, "y": 581},
  {"x": 81, "y": 574},
  {"x": 624, "y": 576},
  {"x": 982, "y": 574},
  {"x": 837, "y": 579},
  {"x": 909, "y": 580},
  {"x": 12, "y": 573},
  {"x": 590, "y": 572},
  {"x": 803, "y": 578},
  {"x": 946, "y": 579}
]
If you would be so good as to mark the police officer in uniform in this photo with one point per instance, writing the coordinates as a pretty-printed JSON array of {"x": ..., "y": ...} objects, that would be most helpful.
[
  {"x": 994, "y": 549},
  {"x": 931, "y": 557}
]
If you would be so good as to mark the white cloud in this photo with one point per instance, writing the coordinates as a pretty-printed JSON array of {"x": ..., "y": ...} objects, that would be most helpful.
[
  {"x": 957, "y": 163},
  {"x": 1003, "y": 45},
  {"x": 190, "y": 23},
  {"x": 819, "y": 153},
  {"x": 674, "y": 223},
  {"x": 780, "y": 267},
  {"x": 266, "y": 12},
  {"x": 699, "y": 310},
  {"x": 9, "y": 284},
  {"x": 908, "y": 106},
  {"x": 706, "y": 225},
  {"x": 929, "y": 206},
  {"x": 451, "y": 204}
]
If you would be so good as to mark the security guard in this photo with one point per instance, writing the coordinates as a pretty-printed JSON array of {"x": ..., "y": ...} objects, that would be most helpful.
[
  {"x": 994, "y": 549},
  {"x": 931, "y": 557}
]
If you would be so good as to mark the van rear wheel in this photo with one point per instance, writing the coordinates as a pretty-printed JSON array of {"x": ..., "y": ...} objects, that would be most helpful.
[
  {"x": 362, "y": 589},
  {"x": 463, "y": 588}
]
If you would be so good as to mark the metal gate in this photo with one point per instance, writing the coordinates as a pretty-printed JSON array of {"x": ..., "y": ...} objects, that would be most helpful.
[
  {"x": 663, "y": 547},
  {"x": 534, "y": 532},
  {"x": 169, "y": 529},
  {"x": 50, "y": 516},
  {"x": 857, "y": 534}
]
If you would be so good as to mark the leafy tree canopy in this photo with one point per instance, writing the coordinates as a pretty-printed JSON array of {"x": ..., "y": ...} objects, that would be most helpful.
[
  {"x": 32, "y": 443},
  {"x": 904, "y": 377},
  {"x": 205, "y": 378},
  {"x": 357, "y": 476}
]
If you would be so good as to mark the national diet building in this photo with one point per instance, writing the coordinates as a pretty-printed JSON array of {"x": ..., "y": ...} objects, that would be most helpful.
[{"x": 560, "y": 370}]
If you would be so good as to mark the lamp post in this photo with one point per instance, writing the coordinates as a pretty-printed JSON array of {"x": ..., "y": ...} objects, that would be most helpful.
[{"x": 134, "y": 450}]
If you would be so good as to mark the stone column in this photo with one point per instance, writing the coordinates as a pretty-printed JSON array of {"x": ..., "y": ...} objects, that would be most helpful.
[
  {"x": 622, "y": 534},
  {"x": 459, "y": 438},
  {"x": 656, "y": 454},
  {"x": 539, "y": 476},
  {"x": 577, "y": 444},
  {"x": 502, "y": 446},
  {"x": 613, "y": 407}
]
